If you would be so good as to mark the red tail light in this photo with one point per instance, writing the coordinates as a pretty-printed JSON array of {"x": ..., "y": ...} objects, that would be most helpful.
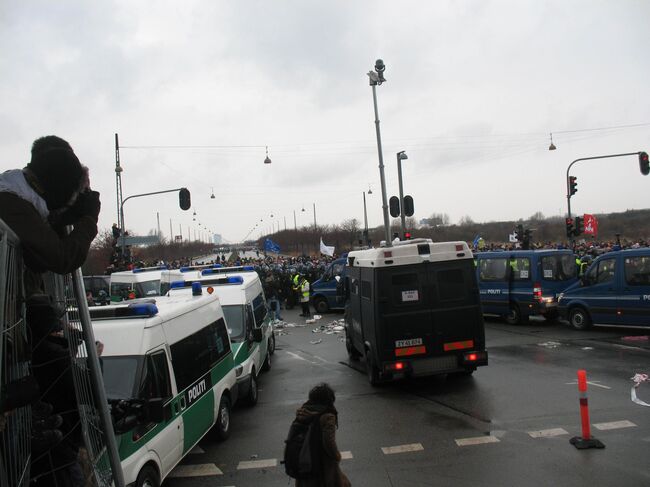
[{"x": 537, "y": 292}]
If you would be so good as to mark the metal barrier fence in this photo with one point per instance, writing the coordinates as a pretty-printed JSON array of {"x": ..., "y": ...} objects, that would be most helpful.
[
  {"x": 96, "y": 463},
  {"x": 15, "y": 424}
]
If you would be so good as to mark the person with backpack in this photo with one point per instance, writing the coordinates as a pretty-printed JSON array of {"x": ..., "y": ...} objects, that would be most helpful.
[{"x": 311, "y": 455}]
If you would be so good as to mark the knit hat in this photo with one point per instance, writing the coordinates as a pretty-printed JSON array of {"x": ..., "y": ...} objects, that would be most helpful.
[{"x": 59, "y": 174}]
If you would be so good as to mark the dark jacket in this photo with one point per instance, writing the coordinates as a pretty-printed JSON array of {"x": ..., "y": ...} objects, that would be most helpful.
[
  {"x": 43, "y": 249},
  {"x": 332, "y": 475}
]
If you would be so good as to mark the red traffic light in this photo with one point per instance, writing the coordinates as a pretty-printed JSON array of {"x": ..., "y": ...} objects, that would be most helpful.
[{"x": 644, "y": 165}]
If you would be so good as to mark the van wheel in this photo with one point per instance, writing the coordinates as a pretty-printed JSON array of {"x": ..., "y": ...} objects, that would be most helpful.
[
  {"x": 223, "y": 419},
  {"x": 266, "y": 366},
  {"x": 353, "y": 353},
  {"x": 272, "y": 343},
  {"x": 580, "y": 319},
  {"x": 371, "y": 370},
  {"x": 514, "y": 315},
  {"x": 321, "y": 306},
  {"x": 251, "y": 398},
  {"x": 148, "y": 477}
]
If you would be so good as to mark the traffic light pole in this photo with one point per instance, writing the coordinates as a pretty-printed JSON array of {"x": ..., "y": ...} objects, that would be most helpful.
[
  {"x": 122, "y": 237},
  {"x": 568, "y": 184}
]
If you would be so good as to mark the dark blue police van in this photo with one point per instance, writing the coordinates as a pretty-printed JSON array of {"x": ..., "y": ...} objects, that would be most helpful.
[
  {"x": 518, "y": 284},
  {"x": 615, "y": 290},
  {"x": 324, "y": 296}
]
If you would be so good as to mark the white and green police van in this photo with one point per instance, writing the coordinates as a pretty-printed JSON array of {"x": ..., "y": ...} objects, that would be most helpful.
[
  {"x": 141, "y": 282},
  {"x": 169, "y": 376},
  {"x": 245, "y": 309}
]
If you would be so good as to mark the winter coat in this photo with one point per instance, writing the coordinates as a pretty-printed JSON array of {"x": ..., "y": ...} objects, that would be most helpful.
[
  {"x": 331, "y": 475},
  {"x": 43, "y": 249}
]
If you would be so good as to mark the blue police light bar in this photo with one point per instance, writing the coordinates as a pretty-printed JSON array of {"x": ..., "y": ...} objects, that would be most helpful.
[
  {"x": 137, "y": 270},
  {"x": 177, "y": 285},
  {"x": 196, "y": 289},
  {"x": 235, "y": 280},
  {"x": 220, "y": 281},
  {"x": 217, "y": 266},
  {"x": 248, "y": 268},
  {"x": 133, "y": 310}
]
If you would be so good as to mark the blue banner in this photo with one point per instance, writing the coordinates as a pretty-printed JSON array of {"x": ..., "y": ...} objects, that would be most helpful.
[{"x": 271, "y": 246}]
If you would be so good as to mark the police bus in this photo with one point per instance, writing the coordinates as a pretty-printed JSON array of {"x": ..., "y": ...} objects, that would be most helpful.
[
  {"x": 169, "y": 376},
  {"x": 413, "y": 310}
]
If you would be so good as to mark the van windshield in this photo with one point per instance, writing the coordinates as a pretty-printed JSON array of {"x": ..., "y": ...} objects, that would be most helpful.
[
  {"x": 234, "y": 314},
  {"x": 119, "y": 376},
  {"x": 147, "y": 288},
  {"x": 559, "y": 267}
]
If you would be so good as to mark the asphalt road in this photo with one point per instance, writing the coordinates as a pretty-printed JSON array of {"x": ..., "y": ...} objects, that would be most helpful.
[{"x": 507, "y": 425}]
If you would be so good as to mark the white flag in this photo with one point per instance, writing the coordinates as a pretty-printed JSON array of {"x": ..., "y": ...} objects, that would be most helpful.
[
  {"x": 324, "y": 249},
  {"x": 513, "y": 237}
]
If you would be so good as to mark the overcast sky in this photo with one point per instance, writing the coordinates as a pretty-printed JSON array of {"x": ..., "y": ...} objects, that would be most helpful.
[{"x": 474, "y": 89}]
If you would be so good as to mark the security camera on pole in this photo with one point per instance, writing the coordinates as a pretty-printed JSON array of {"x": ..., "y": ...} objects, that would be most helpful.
[{"x": 377, "y": 78}]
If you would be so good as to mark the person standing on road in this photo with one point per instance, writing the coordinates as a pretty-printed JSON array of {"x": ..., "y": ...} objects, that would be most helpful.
[
  {"x": 320, "y": 407},
  {"x": 303, "y": 289}
]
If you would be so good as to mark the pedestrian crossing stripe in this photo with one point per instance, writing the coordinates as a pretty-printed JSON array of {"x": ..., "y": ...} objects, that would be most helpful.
[
  {"x": 614, "y": 425},
  {"x": 201, "y": 470},
  {"x": 391, "y": 450},
  {"x": 479, "y": 440},
  {"x": 250, "y": 464},
  {"x": 549, "y": 433}
]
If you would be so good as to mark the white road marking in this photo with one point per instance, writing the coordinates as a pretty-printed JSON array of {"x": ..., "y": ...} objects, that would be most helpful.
[
  {"x": 548, "y": 433},
  {"x": 390, "y": 450},
  {"x": 592, "y": 383},
  {"x": 346, "y": 455},
  {"x": 614, "y": 425},
  {"x": 479, "y": 440},
  {"x": 203, "y": 470},
  {"x": 196, "y": 450},
  {"x": 249, "y": 464},
  {"x": 295, "y": 355}
]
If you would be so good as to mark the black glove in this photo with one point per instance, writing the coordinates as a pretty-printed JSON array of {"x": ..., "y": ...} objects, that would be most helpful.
[{"x": 90, "y": 204}]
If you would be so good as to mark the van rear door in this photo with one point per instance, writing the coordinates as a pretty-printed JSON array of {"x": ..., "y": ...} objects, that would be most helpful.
[
  {"x": 456, "y": 320},
  {"x": 404, "y": 315}
]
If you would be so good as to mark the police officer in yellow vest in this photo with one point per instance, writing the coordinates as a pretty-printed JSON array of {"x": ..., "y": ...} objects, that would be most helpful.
[{"x": 303, "y": 289}]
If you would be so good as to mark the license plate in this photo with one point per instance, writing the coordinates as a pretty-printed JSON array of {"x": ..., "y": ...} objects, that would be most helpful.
[{"x": 408, "y": 343}]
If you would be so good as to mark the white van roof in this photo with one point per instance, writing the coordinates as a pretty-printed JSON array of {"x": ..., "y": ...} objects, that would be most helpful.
[
  {"x": 229, "y": 286},
  {"x": 139, "y": 274},
  {"x": 410, "y": 252},
  {"x": 122, "y": 328}
]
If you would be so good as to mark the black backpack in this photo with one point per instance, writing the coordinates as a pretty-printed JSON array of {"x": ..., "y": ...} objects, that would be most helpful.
[{"x": 302, "y": 450}]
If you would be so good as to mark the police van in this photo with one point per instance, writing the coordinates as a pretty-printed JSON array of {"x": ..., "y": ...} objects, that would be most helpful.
[
  {"x": 169, "y": 376},
  {"x": 413, "y": 310},
  {"x": 245, "y": 309},
  {"x": 518, "y": 284},
  {"x": 323, "y": 292},
  {"x": 615, "y": 290},
  {"x": 141, "y": 282}
]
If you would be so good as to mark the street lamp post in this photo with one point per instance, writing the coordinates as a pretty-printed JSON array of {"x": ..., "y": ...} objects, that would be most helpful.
[
  {"x": 377, "y": 78},
  {"x": 401, "y": 155}
]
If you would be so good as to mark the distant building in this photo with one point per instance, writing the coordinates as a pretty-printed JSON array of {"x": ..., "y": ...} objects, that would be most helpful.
[{"x": 217, "y": 239}]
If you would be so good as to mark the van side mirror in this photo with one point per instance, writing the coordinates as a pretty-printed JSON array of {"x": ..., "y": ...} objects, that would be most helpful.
[
  {"x": 156, "y": 412},
  {"x": 257, "y": 334}
]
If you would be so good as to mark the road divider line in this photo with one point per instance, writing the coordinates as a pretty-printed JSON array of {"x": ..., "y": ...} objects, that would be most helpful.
[
  {"x": 614, "y": 425},
  {"x": 202, "y": 470},
  {"x": 250, "y": 464},
  {"x": 346, "y": 455},
  {"x": 478, "y": 440},
  {"x": 549, "y": 433},
  {"x": 391, "y": 450},
  {"x": 296, "y": 356}
]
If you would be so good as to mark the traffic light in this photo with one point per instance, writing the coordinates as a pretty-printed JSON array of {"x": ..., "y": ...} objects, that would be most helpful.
[
  {"x": 408, "y": 205},
  {"x": 393, "y": 204},
  {"x": 580, "y": 226},
  {"x": 573, "y": 185},
  {"x": 184, "y": 200},
  {"x": 569, "y": 227},
  {"x": 644, "y": 165}
]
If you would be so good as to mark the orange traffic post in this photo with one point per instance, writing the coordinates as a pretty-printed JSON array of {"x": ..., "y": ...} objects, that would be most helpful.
[{"x": 586, "y": 441}]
